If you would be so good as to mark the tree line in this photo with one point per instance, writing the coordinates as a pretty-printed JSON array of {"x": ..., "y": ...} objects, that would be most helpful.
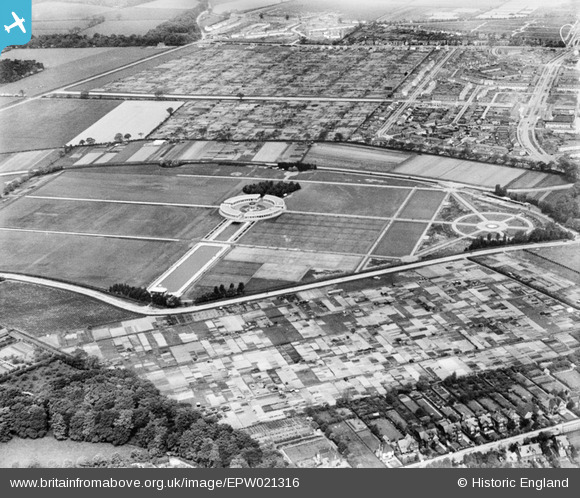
[
  {"x": 219, "y": 292},
  {"x": 84, "y": 401},
  {"x": 549, "y": 232},
  {"x": 180, "y": 30},
  {"x": 268, "y": 187},
  {"x": 142, "y": 294}
]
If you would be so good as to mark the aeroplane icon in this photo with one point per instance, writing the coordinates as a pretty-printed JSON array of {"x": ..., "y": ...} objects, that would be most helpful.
[{"x": 17, "y": 23}]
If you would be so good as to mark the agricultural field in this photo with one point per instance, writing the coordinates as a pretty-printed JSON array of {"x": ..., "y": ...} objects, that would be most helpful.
[
  {"x": 355, "y": 157},
  {"x": 568, "y": 257},
  {"x": 461, "y": 171},
  {"x": 348, "y": 199},
  {"x": 42, "y": 310},
  {"x": 400, "y": 239},
  {"x": 224, "y": 6},
  {"x": 136, "y": 118},
  {"x": 314, "y": 233},
  {"x": 65, "y": 66},
  {"x": 33, "y": 125}
]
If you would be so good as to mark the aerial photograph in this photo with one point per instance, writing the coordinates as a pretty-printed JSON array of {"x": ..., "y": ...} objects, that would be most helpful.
[{"x": 290, "y": 234}]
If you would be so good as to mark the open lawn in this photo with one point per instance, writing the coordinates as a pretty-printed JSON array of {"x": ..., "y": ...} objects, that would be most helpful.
[
  {"x": 106, "y": 218},
  {"x": 347, "y": 199},
  {"x": 136, "y": 118},
  {"x": 162, "y": 188},
  {"x": 315, "y": 233},
  {"x": 48, "y": 452},
  {"x": 400, "y": 239},
  {"x": 423, "y": 204},
  {"x": 48, "y": 123},
  {"x": 354, "y": 157},
  {"x": 42, "y": 310},
  {"x": 96, "y": 261},
  {"x": 457, "y": 170}
]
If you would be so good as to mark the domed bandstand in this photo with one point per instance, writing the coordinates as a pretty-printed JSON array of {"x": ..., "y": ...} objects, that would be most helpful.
[{"x": 252, "y": 207}]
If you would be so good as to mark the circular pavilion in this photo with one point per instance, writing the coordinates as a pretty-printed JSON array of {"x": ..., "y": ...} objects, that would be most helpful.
[{"x": 252, "y": 207}]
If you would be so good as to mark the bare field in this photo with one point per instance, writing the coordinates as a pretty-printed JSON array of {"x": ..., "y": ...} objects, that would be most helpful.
[
  {"x": 354, "y": 157},
  {"x": 400, "y": 239},
  {"x": 315, "y": 233},
  {"x": 136, "y": 118},
  {"x": 348, "y": 199}
]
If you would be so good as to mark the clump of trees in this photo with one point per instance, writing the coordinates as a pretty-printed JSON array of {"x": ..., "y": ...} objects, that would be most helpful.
[
  {"x": 15, "y": 69},
  {"x": 219, "y": 292},
  {"x": 268, "y": 187},
  {"x": 300, "y": 166},
  {"x": 92, "y": 403},
  {"x": 142, "y": 294},
  {"x": 549, "y": 232}
]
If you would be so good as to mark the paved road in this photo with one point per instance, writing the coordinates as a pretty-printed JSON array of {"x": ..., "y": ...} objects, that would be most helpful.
[
  {"x": 148, "y": 310},
  {"x": 569, "y": 426},
  {"x": 526, "y": 127}
]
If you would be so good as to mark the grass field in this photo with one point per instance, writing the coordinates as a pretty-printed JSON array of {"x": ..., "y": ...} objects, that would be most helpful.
[
  {"x": 457, "y": 170},
  {"x": 354, "y": 157},
  {"x": 127, "y": 28},
  {"x": 137, "y": 118},
  {"x": 48, "y": 452},
  {"x": 42, "y": 310},
  {"x": 347, "y": 199},
  {"x": 400, "y": 239},
  {"x": 48, "y": 123},
  {"x": 107, "y": 218},
  {"x": 315, "y": 233},
  {"x": 423, "y": 204},
  {"x": 565, "y": 256},
  {"x": 99, "y": 184},
  {"x": 95, "y": 261}
]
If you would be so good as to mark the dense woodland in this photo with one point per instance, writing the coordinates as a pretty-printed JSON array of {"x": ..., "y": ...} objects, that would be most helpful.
[
  {"x": 13, "y": 69},
  {"x": 77, "y": 398}
]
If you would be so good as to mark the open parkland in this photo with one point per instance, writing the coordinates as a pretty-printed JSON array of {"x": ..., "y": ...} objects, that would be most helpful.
[{"x": 113, "y": 214}]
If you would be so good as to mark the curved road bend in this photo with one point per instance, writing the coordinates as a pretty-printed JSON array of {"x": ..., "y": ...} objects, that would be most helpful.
[{"x": 149, "y": 311}]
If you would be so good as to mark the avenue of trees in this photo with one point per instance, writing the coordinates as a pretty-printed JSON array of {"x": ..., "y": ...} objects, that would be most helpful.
[
  {"x": 15, "y": 69},
  {"x": 268, "y": 187},
  {"x": 81, "y": 400}
]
